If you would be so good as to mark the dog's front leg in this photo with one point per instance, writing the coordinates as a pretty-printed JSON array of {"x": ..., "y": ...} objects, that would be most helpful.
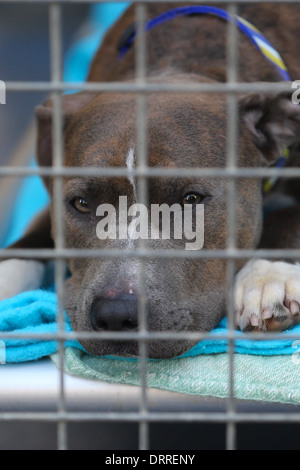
[
  {"x": 20, "y": 275},
  {"x": 267, "y": 293}
]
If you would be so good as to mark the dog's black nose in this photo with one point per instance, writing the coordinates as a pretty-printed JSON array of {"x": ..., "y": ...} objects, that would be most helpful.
[{"x": 119, "y": 314}]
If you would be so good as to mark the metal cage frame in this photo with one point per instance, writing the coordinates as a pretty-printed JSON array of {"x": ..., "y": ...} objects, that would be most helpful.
[{"x": 231, "y": 417}]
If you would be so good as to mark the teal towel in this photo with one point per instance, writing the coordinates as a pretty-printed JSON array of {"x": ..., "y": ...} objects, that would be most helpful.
[
  {"x": 261, "y": 378},
  {"x": 30, "y": 313}
]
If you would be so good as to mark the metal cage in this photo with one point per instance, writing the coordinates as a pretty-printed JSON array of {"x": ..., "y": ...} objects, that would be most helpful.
[{"x": 231, "y": 417}]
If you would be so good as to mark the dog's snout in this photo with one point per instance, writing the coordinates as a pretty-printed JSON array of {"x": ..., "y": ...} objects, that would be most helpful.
[{"x": 119, "y": 314}]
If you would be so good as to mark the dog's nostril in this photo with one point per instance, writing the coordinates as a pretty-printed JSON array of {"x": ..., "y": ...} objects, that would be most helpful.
[
  {"x": 118, "y": 314},
  {"x": 129, "y": 325},
  {"x": 102, "y": 325}
]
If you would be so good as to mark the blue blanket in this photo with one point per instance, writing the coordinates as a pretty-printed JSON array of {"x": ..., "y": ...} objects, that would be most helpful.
[{"x": 35, "y": 312}]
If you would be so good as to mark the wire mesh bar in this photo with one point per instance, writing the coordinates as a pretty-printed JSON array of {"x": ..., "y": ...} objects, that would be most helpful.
[
  {"x": 226, "y": 173},
  {"x": 55, "y": 31},
  {"x": 68, "y": 253},
  {"x": 231, "y": 162},
  {"x": 142, "y": 192},
  {"x": 122, "y": 87},
  {"x": 167, "y": 417},
  {"x": 148, "y": 1},
  {"x": 193, "y": 336}
]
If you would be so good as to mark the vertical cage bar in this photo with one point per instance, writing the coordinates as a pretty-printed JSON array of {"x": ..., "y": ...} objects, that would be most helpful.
[
  {"x": 55, "y": 31},
  {"x": 232, "y": 61},
  {"x": 142, "y": 191}
]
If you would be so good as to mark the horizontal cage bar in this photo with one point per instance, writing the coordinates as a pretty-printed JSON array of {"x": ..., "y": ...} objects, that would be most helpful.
[
  {"x": 146, "y": 1},
  {"x": 150, "y": 172},
  {"x": 149, "y": 336},
  {"x": 151, "y": 417},
  {"x": 69, "y": 253},
  {"x": 144, "y": 87}
]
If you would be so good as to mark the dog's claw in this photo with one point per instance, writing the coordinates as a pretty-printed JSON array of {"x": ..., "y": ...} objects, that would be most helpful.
[
  {"x": 294, "y": 308},
  {"x": 267, "y": 296},
  {"x": 267, "y": 313},
  {"x": 254, "y": 320}
]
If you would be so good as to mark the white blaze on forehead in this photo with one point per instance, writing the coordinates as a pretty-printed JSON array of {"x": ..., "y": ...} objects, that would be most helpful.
[{"x": 130, "y": 161}]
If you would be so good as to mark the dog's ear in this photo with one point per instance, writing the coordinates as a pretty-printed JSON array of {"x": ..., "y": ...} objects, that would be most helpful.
[
  {"x": 273, "y": 120},
  {"x": 44, "y": 114}
]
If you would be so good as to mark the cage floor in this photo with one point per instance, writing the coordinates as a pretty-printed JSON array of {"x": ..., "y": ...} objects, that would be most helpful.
[{"x": 35, "y": 388}]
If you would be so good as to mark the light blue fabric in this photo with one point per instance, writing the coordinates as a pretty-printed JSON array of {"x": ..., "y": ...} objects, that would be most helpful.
[
  {"x": 34, "y": 313},
  {"x": 79, "y": 57}
]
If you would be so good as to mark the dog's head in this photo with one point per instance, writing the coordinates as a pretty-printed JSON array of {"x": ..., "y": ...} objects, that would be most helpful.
[{"x": 183, "y": 130}]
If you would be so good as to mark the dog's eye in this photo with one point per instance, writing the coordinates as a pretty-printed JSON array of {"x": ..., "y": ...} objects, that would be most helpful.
[
  {"x": 81, "y": 205},
  {"x": 192, "y": 199}
]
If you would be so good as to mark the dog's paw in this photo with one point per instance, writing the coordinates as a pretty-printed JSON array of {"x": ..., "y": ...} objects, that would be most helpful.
[
  {"x": 267, "y": 296},
  {"x": 18, "y": 276}
]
